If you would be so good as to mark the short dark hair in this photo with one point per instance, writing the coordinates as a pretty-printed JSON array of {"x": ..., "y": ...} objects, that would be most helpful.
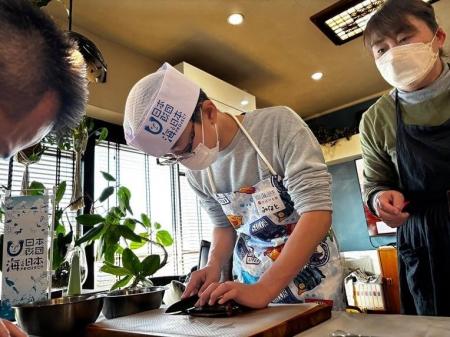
[
  {"x": 196, "y": 118},
  {"x": 391, "y": 18},
  {"x": 36, "y": 56}
]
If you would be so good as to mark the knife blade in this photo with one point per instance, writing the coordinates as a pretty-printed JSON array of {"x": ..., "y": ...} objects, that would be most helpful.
[{"x": 183, "y": 305}]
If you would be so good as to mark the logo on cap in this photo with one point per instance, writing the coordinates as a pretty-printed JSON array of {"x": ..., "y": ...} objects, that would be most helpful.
[{"x": 155, "y": 126}]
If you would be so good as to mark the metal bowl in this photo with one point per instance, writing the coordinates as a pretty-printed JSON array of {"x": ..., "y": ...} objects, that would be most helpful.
[
  {"x": 65, "y": 316},
  {"x": 130, "y": 301}
]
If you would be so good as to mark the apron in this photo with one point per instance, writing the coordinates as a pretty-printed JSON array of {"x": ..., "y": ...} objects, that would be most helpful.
[
  {"x": 263, "y": 216},
  {"x": 423, "y": 156}
]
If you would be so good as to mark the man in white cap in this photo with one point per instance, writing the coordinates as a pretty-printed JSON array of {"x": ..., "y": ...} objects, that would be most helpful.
[{"x": 262, "y": 179}]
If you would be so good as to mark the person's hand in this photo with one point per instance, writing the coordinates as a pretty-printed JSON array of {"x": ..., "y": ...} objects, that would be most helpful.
[
  {"x": 201, "y": 279},
  {"x": 8, "y": 329},
  {"x": 389, "y": 205},
  {"x": 251, "y": 295}
]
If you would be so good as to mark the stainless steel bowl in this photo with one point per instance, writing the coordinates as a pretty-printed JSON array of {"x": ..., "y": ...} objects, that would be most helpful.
[
  {"x": 130, "y": 301},
  {"x": 65, "y": 316}
]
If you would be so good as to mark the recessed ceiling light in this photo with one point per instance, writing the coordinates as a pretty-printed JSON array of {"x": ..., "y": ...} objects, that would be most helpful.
[
  {"x": 317, "y": 76},
  {"x": 345, "y": 20},
  {"x": 235, "y": 19},
  {"x": 244, "y": 102}
]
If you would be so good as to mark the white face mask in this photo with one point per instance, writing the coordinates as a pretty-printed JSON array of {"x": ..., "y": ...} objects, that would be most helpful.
[
  {"x": 203, "y": 155},
  {"x": 404, "y": 66}
]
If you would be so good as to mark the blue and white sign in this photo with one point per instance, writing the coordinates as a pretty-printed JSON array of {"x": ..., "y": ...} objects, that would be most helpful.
[{"x": 25, "y": 275}]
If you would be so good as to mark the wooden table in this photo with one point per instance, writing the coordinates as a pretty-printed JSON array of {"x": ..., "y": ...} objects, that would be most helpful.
[{"x": 276, "y": 320}]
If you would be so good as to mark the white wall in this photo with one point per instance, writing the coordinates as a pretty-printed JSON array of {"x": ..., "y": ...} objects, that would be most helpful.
[
  {"x": 344, "y": 150},
  {"x": 225, "y": 96}
]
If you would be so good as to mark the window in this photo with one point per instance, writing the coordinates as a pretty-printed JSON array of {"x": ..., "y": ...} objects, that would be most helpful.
[
  {"x": 53, "y": 167},
  {"x": 194, "y": 225},
  {"x": 161, "y": 192}
]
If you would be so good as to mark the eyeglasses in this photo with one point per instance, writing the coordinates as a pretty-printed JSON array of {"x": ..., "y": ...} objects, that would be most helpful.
[{"x": 172, "y": 158}]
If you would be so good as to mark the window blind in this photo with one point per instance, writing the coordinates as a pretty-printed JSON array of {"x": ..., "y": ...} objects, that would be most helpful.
[
  {"x": 53, "y": 165},
  {"x": 163, "y": 193}
]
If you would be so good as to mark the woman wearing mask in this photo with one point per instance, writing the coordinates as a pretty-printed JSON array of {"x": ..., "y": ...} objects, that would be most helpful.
[
  {"x": 262, "y": 179},
  {"x": 405, "y": 138}
]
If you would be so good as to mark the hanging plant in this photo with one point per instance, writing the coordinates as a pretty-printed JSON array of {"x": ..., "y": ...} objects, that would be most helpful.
[
  {"x": 27, "y": 157},
  {"x": 80, "y": 137}
]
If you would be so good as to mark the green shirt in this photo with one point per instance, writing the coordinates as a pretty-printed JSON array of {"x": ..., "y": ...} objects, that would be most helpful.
[{"x": 378, "y": 137}]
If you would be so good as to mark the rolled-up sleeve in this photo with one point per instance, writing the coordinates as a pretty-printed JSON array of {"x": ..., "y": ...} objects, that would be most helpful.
[{"x": 306, "y": 174}]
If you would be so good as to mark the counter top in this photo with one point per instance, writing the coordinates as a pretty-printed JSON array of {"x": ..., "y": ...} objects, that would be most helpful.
[{"x": 382, "y": 326}]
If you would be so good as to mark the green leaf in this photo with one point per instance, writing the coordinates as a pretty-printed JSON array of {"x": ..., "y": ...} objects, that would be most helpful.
[
  {"x": 89, "y": 219},
  {"x": 145, "y": 220},
  {"x": 113, "y": 235},
  {"x": 60, "y": 192},
  {"x": 130, "y": 223},
  {"x": 124, "y": 196},
  {"x": 131, "y": 262},
  {"x": 90, "y": 124},
  {"x": 107, "y": 176},
  {"x": 114, "y": 270},
  {"x": 60, "y": 246},
  {"x": 129, "y": 234},
  {"x": 163, "y": 237},
  {"x": 150, "y": 265},
  {"x": 36, "y": 188},
  {"x": 102, "y": 135},
  {"x": 114, "y": 216},
  {"x": 119, "y": 250},
  {"x": 107, "y": 192},
  {"x": 157, "y": 225},
  {"x": 122, "y": 282},
  {"x": 91, "y": 235},
  {"x": 59, "y": 226},
  {"x": 110, "y": 252},
  {"x": 137, "y": 245}
]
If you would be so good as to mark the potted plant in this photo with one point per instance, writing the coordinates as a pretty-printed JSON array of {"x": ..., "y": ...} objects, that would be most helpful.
[{"x": 118, "y": 234}]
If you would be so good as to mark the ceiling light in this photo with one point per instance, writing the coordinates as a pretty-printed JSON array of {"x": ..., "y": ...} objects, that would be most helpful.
[
  {"x": 347, "y": 19},
  {"x": 244, "y": 102},
  {"x": 235, "y": 19},
  {"x": 317, "y": 76}
]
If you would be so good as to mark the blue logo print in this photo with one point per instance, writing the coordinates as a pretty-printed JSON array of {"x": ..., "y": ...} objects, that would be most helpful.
[{"x": 155, "y": 126}]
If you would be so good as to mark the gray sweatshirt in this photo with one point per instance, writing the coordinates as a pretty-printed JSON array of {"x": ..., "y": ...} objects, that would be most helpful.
[{"x": 291, "y": 148}]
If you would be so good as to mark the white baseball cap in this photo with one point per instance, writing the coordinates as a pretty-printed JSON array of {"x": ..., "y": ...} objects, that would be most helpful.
[{"x": 158, "y": 108}]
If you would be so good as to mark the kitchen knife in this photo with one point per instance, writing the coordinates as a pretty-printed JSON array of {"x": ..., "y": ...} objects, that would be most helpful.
[{"x": 182, "y": 306}]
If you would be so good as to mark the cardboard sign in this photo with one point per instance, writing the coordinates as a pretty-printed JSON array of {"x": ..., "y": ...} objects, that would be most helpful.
[{"x": 25, "y": 275}]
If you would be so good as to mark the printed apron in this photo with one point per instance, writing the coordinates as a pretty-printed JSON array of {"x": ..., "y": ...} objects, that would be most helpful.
[
  {"x": 263, "y": 217},
  {"x": 423, "y": 156}
]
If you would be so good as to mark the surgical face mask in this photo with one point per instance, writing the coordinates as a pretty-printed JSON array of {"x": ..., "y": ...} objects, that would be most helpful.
[
  {"x": 203, "y": 156},
  {"x": 405, "y": 66}
]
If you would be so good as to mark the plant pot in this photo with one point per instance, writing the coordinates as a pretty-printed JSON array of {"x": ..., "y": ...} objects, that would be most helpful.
[{"x": 130, "y": 301}]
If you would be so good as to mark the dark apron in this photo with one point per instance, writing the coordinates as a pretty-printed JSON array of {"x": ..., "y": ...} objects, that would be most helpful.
[{"x": 423, "y": 156}]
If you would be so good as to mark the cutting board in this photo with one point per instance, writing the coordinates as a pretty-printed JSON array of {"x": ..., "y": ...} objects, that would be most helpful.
[{"x": 274, "y": 321}]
